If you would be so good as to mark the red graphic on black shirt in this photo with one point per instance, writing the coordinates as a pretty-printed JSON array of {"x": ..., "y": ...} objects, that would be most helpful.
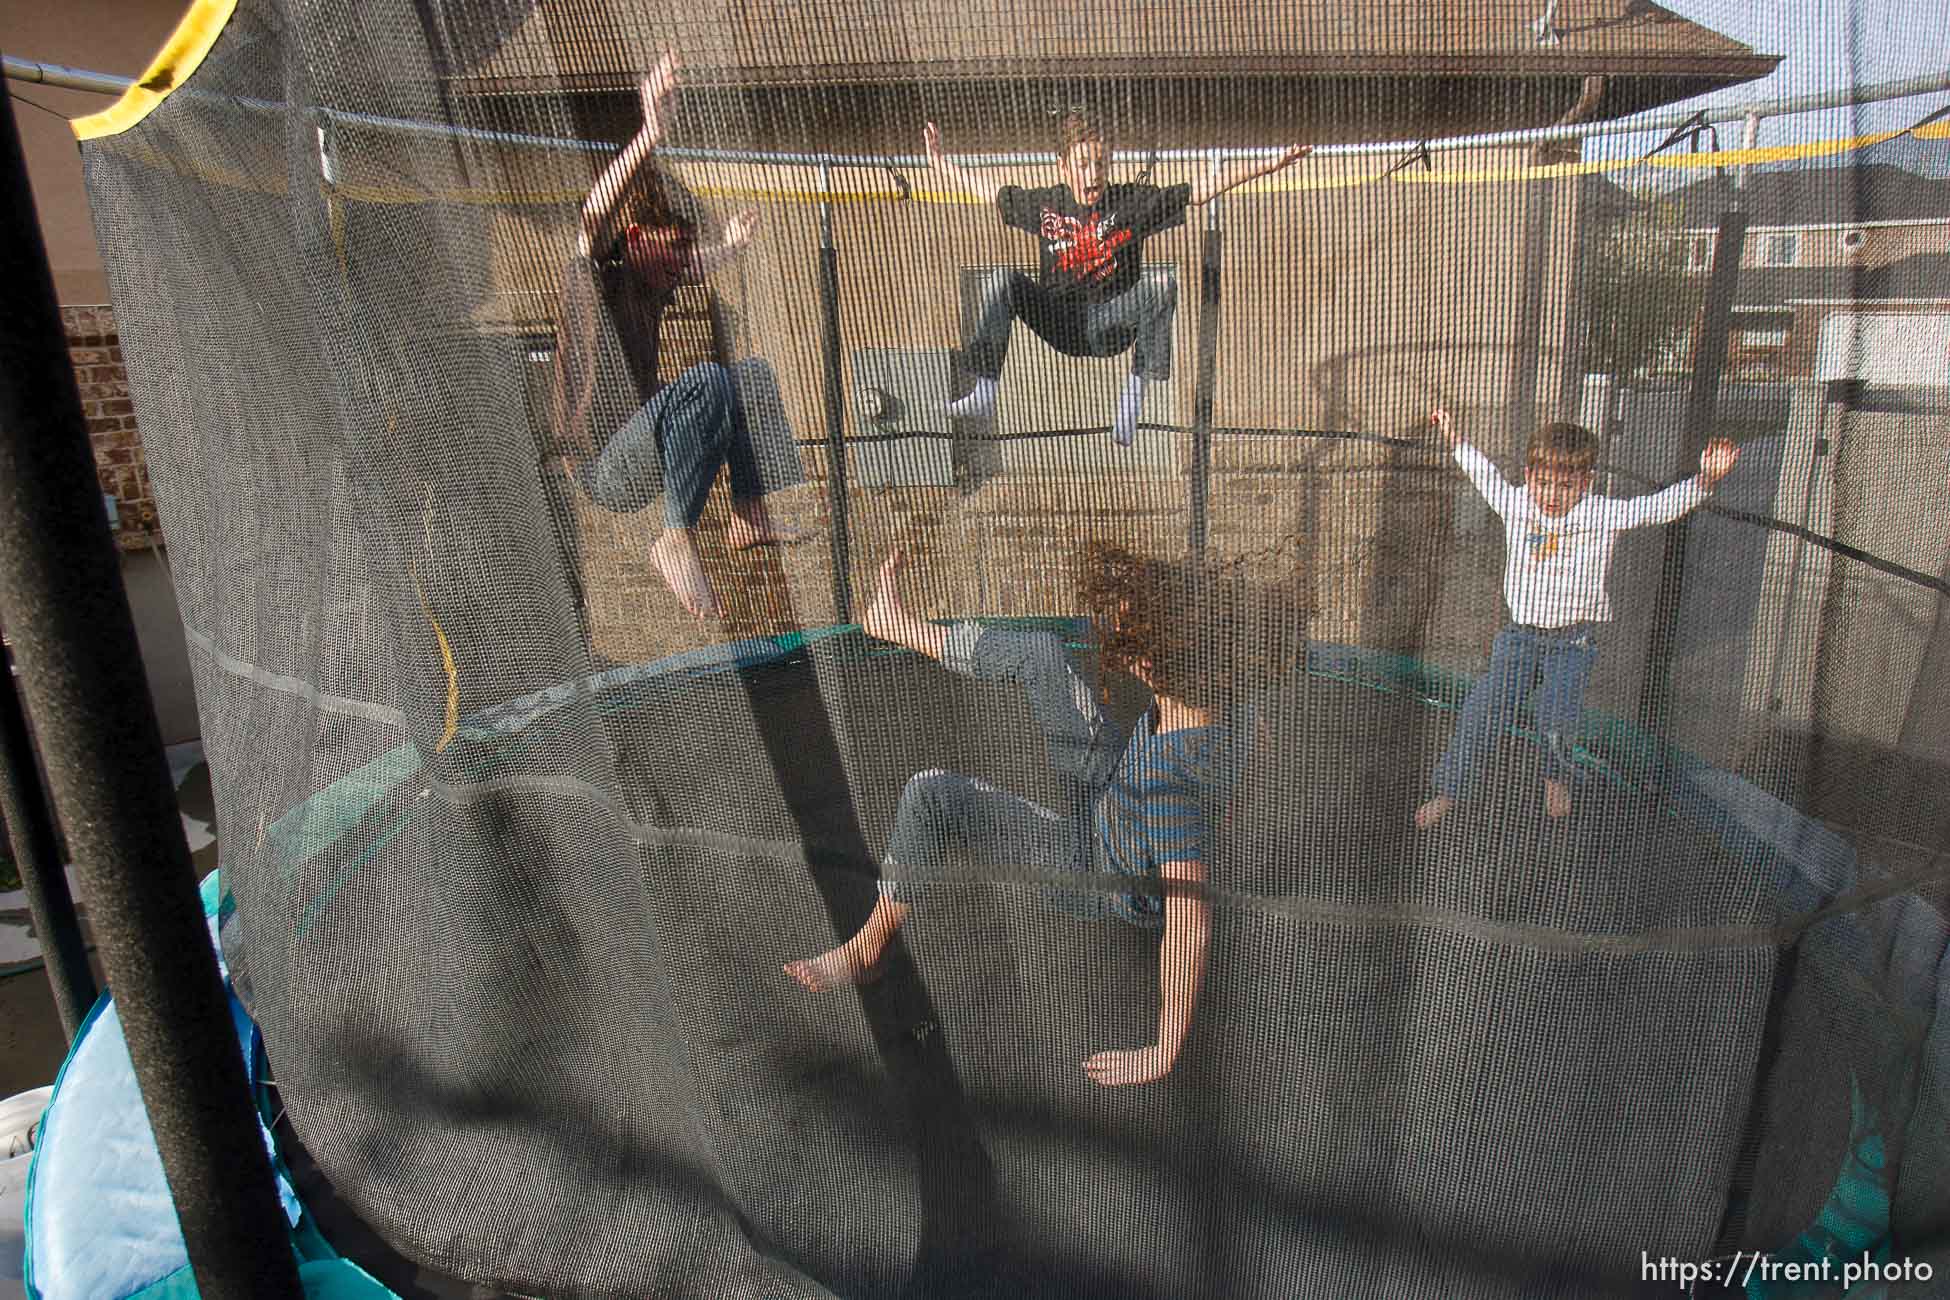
[{"x": 1085, "y": 250}]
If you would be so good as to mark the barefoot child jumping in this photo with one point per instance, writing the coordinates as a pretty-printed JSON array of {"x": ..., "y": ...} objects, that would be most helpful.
[
  {"x": 638, "y": 241},
  {"x": 1558, "y": 548},
  {"x": 1142, "y": 802}
]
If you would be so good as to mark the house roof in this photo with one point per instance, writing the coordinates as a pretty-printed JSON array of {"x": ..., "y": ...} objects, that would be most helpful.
[
  {"x": 1648, "y": 54},
  {"x": 1820, "y": 196},
  {"x": 1605, "y": 200}
]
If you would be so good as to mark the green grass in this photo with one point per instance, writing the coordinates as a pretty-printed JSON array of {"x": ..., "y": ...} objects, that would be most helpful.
[{"x": 9, "y": 874}]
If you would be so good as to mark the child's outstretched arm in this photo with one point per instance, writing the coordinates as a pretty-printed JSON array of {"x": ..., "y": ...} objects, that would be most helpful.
[
  {"x": 602, "y": 210},
  {"x": 1504, "y": 496},
  {"x": 1181, "y": 972},
  {"x": 1238, "y": 174},
  {"x": 982, "y": 187},
  {"x": 1668, "y": 504}
]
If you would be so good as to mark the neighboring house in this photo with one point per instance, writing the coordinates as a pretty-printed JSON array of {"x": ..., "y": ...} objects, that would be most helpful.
[{"x": 1870, "y": 237}]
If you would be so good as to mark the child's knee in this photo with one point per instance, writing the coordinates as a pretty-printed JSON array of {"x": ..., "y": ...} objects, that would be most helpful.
[
  {"x": 922, "y": 793},
  {"x": 1006, "y": 286},
  {"x": 707, "y": 388}
]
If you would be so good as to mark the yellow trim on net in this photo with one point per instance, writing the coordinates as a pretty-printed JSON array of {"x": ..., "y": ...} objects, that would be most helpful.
[
  {"x": 453, "y": 673},
  {"x": 179, "y": 57}
]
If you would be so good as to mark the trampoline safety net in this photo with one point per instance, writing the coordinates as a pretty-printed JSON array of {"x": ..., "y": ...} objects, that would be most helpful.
[{"x": 888, "y": 650}]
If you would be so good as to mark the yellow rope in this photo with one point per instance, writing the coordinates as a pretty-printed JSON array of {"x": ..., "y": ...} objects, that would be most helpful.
[
  {"x": 1293, "y": 181},
  {"x": 446, "y": 658},
  {"x": 439, "y": 633}
]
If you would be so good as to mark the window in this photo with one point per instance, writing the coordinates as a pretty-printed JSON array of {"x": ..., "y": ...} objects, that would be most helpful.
[
  {"x": 1782, "y": 248},
  {"x": 1699, "y": 252},
  {"x": 1760, "y": 336}
]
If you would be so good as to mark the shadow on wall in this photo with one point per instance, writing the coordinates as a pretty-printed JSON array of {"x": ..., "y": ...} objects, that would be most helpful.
[{"x": 1392, "y": 510}]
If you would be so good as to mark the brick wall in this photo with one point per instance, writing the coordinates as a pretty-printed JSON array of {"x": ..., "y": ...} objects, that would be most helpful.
[
  {"x": 96, "y": 350},
  {"x": 1360, "y": 540}
]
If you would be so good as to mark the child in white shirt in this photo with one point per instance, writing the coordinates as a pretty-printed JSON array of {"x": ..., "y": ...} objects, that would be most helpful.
[{"x": 1558, "y": 548}]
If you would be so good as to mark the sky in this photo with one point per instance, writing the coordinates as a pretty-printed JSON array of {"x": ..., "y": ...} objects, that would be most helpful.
[{"x": 1827, "y": 45}]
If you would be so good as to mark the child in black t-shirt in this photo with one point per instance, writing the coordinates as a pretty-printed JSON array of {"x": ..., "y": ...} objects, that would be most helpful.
[{"x": 1090, "y": 298}]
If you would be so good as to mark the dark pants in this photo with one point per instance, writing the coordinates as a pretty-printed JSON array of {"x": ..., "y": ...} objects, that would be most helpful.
[
  {"x": 1562, "y": 657},
  {"x": 710, "y": 415},
  {"x": 1140, "y": 318}
]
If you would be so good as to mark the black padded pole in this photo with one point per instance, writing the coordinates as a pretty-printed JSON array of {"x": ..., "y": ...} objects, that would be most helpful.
[
  {"x": 1211, "y": 253},
  {"x": 30, "y": 827},
  {"x": 835, "y": 391},
  {"x": 81, "y": 676},
  {"x": 1702, "y": 406}
]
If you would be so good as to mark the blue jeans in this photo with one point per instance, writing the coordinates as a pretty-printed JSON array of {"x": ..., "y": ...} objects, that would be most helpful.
[
  {"x": 1140, "y": 319},
  {"x": 1563, "y": 657},
  {"x": 945, "y": 816},
  {"x": 710, "y": 415}
]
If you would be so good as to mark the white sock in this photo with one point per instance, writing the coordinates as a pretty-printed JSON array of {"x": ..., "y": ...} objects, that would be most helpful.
[
  {"x": 1129, "y": 406},
  {"x": 979, "y": 402}
]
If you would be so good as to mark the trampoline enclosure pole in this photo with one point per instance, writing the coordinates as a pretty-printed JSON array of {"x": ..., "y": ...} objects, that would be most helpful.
[
  {"x": 1702, "y": 406},
  {"x": 30, "y": 826},
  {"x": 1211, "y": 251},
  {"x": 81, "y": 674},
  {"x": 835, "y": 391}
]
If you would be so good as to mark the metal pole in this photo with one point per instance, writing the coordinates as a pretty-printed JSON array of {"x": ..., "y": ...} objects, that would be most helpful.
[
  {"x": 1702, "y": 405},
  {"x": 54, "y": 74},
  {"x": 81, "y": 675},
  {"x": 1211, "y": 253},
  {"x": 1749, "y": 136},
  {"x": 30, "y": 826},
  {"x": 829, "y": 303}
]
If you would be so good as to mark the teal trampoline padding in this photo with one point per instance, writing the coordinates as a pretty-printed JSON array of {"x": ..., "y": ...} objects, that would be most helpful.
[
  {"x": 321, "y": 1279},
  {"x": 122, "y": 1224},
  {"x": 342, "y": 806},
  {"x": 317, "y": 823},
  {"x": 1854, "y": 1223},
  {"x": 482, "y": 739},
  {"x": 488, "y": 741}
]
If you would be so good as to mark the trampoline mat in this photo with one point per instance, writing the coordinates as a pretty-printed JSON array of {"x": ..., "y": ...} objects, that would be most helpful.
[{"x": 1411, "y": 1051}]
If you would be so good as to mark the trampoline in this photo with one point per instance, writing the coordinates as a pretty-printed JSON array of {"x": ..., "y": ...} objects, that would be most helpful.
[{"x": 515, "y": 845}]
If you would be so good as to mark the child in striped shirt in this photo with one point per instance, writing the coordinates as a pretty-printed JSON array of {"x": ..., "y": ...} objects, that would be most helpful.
[{"x": 1142, "y": 801}]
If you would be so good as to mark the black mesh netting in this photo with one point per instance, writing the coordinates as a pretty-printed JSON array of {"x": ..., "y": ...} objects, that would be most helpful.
[{"x": 519, "y": 846}]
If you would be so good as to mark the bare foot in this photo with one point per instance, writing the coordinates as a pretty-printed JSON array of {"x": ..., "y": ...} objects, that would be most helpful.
[
  {"x": 885, "y": 617},
  {"x": 1433, "y": 811},
  {"x": 1557, "y": 798},
  {"x": 676, "y": 557},
  {"x": 842, "y": 965},
  {"x": 752, "y": 525}
]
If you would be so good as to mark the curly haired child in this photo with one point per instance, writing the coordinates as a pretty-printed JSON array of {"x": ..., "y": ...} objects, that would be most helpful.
[{"x": 1143, "y": 801}]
